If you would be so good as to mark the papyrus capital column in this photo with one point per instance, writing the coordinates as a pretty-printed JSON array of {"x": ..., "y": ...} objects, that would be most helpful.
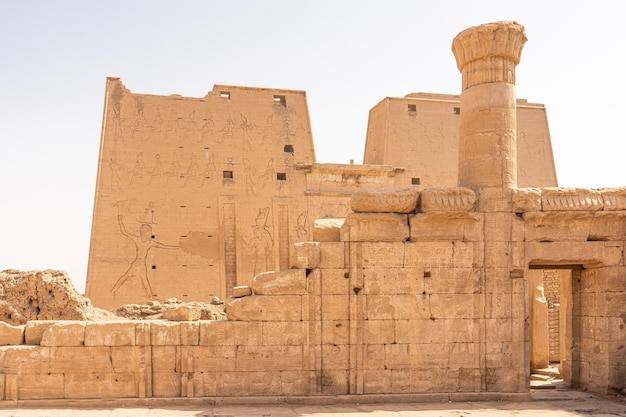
[{"x": 487, "y": 55}]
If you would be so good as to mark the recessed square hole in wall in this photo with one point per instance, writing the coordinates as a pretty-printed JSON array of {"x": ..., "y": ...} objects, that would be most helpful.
[
  {"x": 227, "y": 175},
  {"x": 153, "y": 237},
  {"x": 225, "y": 94},
  {"x": 426, "y": 274},
  {"x": 282, "y": 100},
  {"x": 153, "y": 266},
  {"x": 415, "y": 181},
  {"x": 281, "y": 176},
  {"x": 288, "y": 149},
  {"x": 412, "y": 108},
  {"x": 457, "y": 110},
  {"x": 183, "y": 206}
]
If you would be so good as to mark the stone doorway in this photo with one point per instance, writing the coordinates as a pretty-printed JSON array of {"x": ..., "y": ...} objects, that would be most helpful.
[{"x": 555, "y": 325}]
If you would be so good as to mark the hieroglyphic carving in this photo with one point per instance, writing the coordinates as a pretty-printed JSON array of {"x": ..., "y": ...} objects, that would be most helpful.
[
  {"x": 116, "y": 180},
  {"x": 283, "y": 237},
  {"x": 143, "y": 242},
  {"x": 246, "y": 127},
  {"x": 207, "y": 128},
  {"x": 227, "y": 131},
  {"x": 138, "y": 169},
  {"x": 249, "y": 171},
  {"x": 261, "y": 245},
  {"x": 230, "y": 246},
  {"x": 269, "y": 174},
  {"x": 302, "y": 226}
]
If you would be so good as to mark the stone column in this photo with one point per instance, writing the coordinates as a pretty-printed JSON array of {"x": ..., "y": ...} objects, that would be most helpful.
[{"x": 487, "y": 55}]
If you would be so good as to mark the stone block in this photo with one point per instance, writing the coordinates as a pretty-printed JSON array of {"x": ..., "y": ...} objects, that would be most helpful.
[
  {"x": 589, "y": 254},
  {"x": 24, "y": 359},
  {"x": 11, "y": 335},
  {"x": 424, "y": 330},
  {"x": 458, "y": 226},
  {"x": 327, "y": 230},
  {"x": 336, "y": 332},
  {"x": 100, "y": 385},
  {"x": 189, "y": 333},
  {"x": 376, "y": 381},
  {"x": 378, "y": 332},
  {"x": 335, "y": 357},
  {"x": 80, "y": 359},
  {"x": 166, "y": 384},
  {"x": 269, "y": 358},
  {"x": 526, "y": 199},
  {"x": 461, "y": 330},
  {"x": 289, "y": 333},
  {"x": 557, "y": 226},
  {"x": 265, "y": 308},
  {"x": 468, "y": 254},
  {"x": 571, "y": 199},
  {"x": 288, "y": 282},
  {"x": 212, "y": 359},
  {"x": 164, "y": 333},
  {"x": 304, "y": 255},
  {"x": 126, "y": 359},
  {"x": 455, "y": 305},
  {"x": 165, "y": 358},
  {"x": 294, "y": 383},
  {"x": 400, "y": 381},
  {"x": 242, "y": 291},
  {"x": 332, "y": 381},
  {"x": 34, "y": 330},
  {"x": 375, "y": 227},
  {"x": 142, "y": 334},
  {"x": 388, "y": 281},
  {"x": 394, "y": 200},
  {"x": 64, "y": 333},
  {"x": 381, "y": 254},
  {"x": 335, "y": 307},
  {"x": 182, "y": 313},
  {"x": 40, "y": 386},
  {"x": 332, "y": 255},
  {"x": 447, "y": 199},
  {"x": 110, "y": 333},
  {"x": 335, "y": 281},
  {"x": 429, "y": 255},
  {"x": 398, "y": 356},
  {"x": 216, "y": 333},
  {"x": 613, "y": 198},
  {"x": 607, "y": 225},
  {"x": 431, "y": 356},
  {"x": 495, "y": 200},
  {"x": 454, "y": 281},
  {"x": 374, "y": 356},
  {"x": 11, "y": 387}
]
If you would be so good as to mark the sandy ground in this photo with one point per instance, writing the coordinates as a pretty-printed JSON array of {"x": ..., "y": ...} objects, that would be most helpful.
[{"x": 554, "y": 403}]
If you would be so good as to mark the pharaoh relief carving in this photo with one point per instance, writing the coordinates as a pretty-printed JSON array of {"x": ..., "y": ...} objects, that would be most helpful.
[
  {"x": 143, "y": 239},
  {"x": 261, "y": 244}
]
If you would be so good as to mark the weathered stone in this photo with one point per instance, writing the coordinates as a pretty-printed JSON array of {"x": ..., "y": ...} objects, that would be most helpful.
[
  {"x": 288, "y": 282},
  {"x": 327, "y": 230},
  {"x": 164, "y": 333},
  {"x": 572, "y": 199},
  {"x": 375, "y": 227},
  {"x": 526, "y": 199},
  {"x": 182, "y": 313},
  {"x": 110, "y": 333},
  {"x": 446, "y": 226},
  {"x": 305, "y": 255},
  {"x": 608, "y": 226},
  {"x": 394, "y": 200},
  {"x": 613, "y": 198},
  {"x": 64, "y": 333},
  {"x": 265, "y": 308},
  {"x": 447, "y": 199},
  {"x": 11, "y": 335},
  {"x": 242, "y": 291},
  {"x": 557, "y": 226}
]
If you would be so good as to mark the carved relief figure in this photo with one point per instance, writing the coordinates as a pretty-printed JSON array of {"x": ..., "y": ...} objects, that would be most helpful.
[
  {"x": 174, "y": 170},
  {"x": 207, "y": 127},
  {"x": 138, "y": 267},
  {"x": 157, "y": 171},
  {"x": 261, "y": 244},
  {"x": 116, "y": 181},
  {"x": 246, "y": 127},
  {"x": 191, "y": 174},
  {"x": 209, "y": 169},
  {"x": 137, "y": 171},
  {"x": 228, "y": 130},
  {"x": 249, "y": 171},
  {"x": 270, "y": 172},
  {"x": 302, "y": 231}
]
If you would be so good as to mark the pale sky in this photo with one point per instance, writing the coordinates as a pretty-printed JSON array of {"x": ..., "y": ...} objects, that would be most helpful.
[{"x": 347, "y": 56}]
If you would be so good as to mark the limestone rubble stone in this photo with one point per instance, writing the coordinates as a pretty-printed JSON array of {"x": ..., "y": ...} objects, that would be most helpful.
[
  {"x": 288, "y": 282},
  {"x": 327, "y": 230},
  {"x": 375, "y": 227},
  {"x": 304, "y": 255},
  {"x": 11, "y": 335},
  {"x": 393, "y": 200},
  {"x": 242, "y": 291},
  {"x": 182, "y": 313},
  {"x": 43, "y": 295}
]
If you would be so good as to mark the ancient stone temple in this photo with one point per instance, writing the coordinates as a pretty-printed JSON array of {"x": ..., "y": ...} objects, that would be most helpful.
[
  {"x": 399, "y": 290},
  {"x": 198, "y": 195}
]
